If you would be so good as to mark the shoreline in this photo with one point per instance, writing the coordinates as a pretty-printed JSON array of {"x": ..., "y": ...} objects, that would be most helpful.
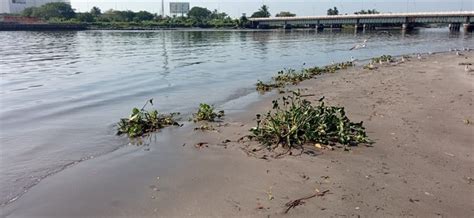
[
  {"x": 178, "y": 185},
  {"x": 87, "y": 26}
]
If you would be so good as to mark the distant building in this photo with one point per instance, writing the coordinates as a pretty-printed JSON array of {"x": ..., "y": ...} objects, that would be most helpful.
[{"x": 17, "y": 6}]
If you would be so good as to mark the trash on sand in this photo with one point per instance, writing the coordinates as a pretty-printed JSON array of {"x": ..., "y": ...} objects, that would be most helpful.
[{"x": 270, "y": 195}]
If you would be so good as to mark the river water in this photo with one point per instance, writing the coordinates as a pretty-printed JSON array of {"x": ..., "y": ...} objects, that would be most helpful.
[{"x": 62, "y": 92}]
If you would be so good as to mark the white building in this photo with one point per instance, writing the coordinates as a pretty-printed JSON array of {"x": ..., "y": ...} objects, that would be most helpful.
[{"x": 17, "y": 6}]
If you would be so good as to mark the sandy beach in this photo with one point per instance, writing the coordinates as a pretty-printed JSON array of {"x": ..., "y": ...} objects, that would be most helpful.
[{"x": 419, "y": 113}]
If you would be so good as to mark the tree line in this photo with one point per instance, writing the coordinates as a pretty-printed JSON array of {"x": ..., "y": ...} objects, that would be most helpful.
[{"x": 196, "y": 17}]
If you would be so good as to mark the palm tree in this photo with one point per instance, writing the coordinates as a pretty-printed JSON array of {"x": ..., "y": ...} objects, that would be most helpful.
[{"x": 262, "y": 12}]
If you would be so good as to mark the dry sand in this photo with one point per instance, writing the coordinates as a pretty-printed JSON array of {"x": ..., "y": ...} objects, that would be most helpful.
[{"x": 421, "y": 164}]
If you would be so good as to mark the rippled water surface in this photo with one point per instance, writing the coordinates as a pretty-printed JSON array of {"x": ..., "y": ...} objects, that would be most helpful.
[{"x": 61, "y": 92}]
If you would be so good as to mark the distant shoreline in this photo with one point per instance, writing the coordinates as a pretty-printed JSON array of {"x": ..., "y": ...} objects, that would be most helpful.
[
  {"x": 36, "y": 27},
  {"x": 4, "y": 26}
]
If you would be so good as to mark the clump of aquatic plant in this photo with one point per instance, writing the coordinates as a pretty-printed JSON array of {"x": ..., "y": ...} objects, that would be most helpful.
[
  {"x": 383, "y": 59},
  {"x": 370, "y": 66},
  {"x": 206, "y": 113},
  {"x": 294, "y": 121},
  {"x": 141, "y": 121},
  {"x": 291, "y": 76},
  {"x": 265, "y": 87},
  {"x": 338, "y": 66}
]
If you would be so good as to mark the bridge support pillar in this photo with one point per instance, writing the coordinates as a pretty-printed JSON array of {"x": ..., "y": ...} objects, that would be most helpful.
[
  {"x": 287, "y": 26},
  {"x": 455, "y": 27},
  {"x": 407, "y": 27},
  {"x": 320, "y": 28},
  {"x": 369, "y": 27},
  {"x": 468, "y": 27},
  {"x": 359, "y": 28}
]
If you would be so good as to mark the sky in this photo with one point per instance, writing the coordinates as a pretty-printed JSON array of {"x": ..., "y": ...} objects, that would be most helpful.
[{"x": 301, "y": 7}]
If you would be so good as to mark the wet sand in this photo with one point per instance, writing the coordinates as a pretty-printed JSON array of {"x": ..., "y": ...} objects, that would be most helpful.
[{"x": 420, "y": 165}]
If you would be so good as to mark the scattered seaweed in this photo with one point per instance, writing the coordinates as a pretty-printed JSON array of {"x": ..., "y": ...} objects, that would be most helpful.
[
  {"x": 206, "y": 113},
  {"x": 293, "y": 77},
  {"x": 141, "y": 121},
  {"x": 294, "y": 122}
]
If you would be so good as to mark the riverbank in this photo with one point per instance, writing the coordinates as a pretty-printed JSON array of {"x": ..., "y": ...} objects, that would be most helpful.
[
  {"x": 41, "y": 27},
  {"x": 419, "y": 114}
]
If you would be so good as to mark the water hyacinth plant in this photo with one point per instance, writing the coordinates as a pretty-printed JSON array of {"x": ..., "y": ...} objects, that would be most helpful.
[
  {"x": 206, "y": 113},
  {"x": 141, "y": 121},
  {"x": 293, "y": 77},
  {"x": 294, "y": 122},
  {"x": 264, "y": 87},
  {"x": 382, "y": 59}
]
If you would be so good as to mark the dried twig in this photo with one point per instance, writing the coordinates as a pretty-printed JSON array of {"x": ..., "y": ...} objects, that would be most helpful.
[{"x": 300, "y": 201}]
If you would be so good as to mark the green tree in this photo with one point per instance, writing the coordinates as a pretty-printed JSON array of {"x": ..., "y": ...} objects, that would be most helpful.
[
  {"x": 118, "y": 16},
  {"x": 216, "y": 15},
  {"x": 85, "y": 17},
  {"x": 95, "y": 11},
  {"x": 199, "y": 13},
  {"x": 59, "y": 10},
  {"x": 144, "y": 16},
  {"x": 29, "y": 12},
  {"x": 333, "y": 11},
  {"x": 243, "y": 21},
  {"x": 262, "y": 12},
  {"x": 285, "y": 14}
]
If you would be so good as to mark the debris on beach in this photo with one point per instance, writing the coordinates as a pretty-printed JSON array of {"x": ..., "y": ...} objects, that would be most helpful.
[
  {"x": 205, "y": 127},
  {"x": 300, "y": 201},
  {"x": 382, "y": 59},
  {"x": 294, "y": 122},
  {"x": 270, "y": 195},
  {"x": 370, "y": 66},
  {"x": 293, "y": 77},
  {"x": 206, "y": 113},
  {"x": 201, "y": 145},
  {"x": 141, "y": 121}
]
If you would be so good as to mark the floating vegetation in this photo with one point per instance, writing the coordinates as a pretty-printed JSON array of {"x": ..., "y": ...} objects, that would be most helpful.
[
  {"x": 294, "y": 122},
  {"x": 293, "y": 77},
  {"x": 141, "y": 121},
  {"x": 383, "y": 59},
  {"x": 206, "y": 113}
]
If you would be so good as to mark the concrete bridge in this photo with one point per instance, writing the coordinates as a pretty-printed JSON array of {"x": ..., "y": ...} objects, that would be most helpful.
[{"x": 406, "y": 21}]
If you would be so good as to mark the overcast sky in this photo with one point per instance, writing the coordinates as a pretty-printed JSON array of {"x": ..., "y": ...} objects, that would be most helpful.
[{"x": 300, "y": 7}]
